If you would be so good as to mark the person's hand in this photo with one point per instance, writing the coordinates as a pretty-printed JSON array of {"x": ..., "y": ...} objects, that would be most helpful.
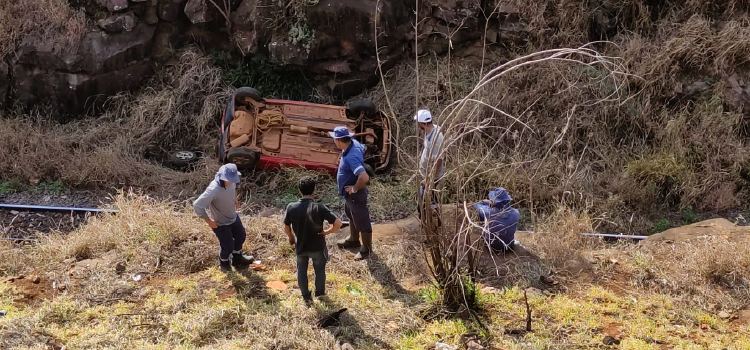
[
  {"x": 213, "y": 224},
  {"x": 349, "y": 189},
  {"x": 291, "y": 241}
]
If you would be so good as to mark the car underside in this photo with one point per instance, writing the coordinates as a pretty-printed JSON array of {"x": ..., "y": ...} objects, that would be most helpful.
[{"x": 267, "y": 133}]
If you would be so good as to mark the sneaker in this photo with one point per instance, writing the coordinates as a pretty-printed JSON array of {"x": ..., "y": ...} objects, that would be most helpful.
[
  {"x": 361, "y": 256},
  {"x": 320, "y": 294},
  {"x": 348, "y": 244},
  {"x": 241, "y": 260}
]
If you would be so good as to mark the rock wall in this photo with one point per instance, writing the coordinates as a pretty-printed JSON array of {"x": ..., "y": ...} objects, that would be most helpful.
[{"x": 335, "y": 40}]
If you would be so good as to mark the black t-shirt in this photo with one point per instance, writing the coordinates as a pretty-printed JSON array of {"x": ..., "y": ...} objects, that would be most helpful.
[{"x": 306, "y": 219}]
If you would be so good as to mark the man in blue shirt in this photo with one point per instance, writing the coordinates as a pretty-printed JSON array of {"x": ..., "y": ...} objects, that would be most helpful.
[
  {"x": 500, "y": 220},
  {"x": 352, "y": 180}
]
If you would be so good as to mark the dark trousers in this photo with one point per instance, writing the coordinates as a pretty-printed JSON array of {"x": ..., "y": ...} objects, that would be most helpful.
[
  {"x": 231, "y": 237},
  {"x": 358, "y": 213},
  {"x": 434, "y": 202},
  {"x": 319, "y": 260}
]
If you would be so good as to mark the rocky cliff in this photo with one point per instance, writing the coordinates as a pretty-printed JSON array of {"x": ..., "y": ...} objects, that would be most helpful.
[{"x": 336, "y": 40}]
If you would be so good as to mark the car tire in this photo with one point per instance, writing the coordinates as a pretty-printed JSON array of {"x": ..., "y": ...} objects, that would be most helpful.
[
  {"x": 243, "y": 157},
  {"x": 248, "y": 92},
  {"x": 368, "y": 169},
  {"x": 361, "y": 105},
  {"x": 182, "y": 158}
]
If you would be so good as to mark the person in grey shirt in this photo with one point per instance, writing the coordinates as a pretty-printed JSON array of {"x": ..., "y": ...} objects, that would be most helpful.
[
  {"x": 432, "y": 157},
  {"x": 218, "y": 207}
]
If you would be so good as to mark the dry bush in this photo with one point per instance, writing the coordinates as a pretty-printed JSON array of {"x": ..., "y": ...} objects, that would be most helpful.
[
  {"x": 179, "y": 109},
  {"x": 710, "y": 270},
  {"x": 558, "y": 238},
  {"x": 143, "y": 231},
  {"x": 39, "y": 22}
]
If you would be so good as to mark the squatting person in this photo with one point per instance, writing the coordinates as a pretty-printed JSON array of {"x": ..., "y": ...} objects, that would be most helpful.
[
  {"x": 500, "y": 220},
  {"x": 352, "y": 181},
  {"x": 305, "y": 217},
  {"x": 218, "y": 207}
]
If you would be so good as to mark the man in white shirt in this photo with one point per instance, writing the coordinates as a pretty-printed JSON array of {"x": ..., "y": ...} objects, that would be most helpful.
[{"x": 431, "y": 162}]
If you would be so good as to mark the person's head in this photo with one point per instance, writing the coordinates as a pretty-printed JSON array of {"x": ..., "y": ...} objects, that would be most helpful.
[
  {"x": 342, "y": 137},
  {"x": 424, "y": 119},
  {"x": 228, "y": 174},
  {"x": 499, "y": 197},
  {"x": 307, "y": 186}
]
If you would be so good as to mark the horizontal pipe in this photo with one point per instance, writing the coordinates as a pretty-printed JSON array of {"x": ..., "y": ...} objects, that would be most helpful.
[
  {"x": 603, "y": 235},
  {"x": 614, "y": 235},
  {"x": 53, "y": 208}
]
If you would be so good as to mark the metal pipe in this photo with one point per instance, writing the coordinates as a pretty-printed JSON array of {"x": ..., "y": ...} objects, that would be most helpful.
[
  {"x": 53, "y": 208},
  {"x": 614, "y": 235},
  {"x": 603, "y": 235}
]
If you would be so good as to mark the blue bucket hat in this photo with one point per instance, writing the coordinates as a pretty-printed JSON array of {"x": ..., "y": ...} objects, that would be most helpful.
[
  {"x": 499, "y": 197},
  {"x": 228, "y": 172},
  {"x": 340, "y": 132}
]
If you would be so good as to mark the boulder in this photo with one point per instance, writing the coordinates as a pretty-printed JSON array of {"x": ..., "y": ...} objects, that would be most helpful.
[
  {"x": 121, "y": 22},
  {"x": 170, "y": 10},
  {"x": 282, "y": 51},
  {"x": 113, "y": 5},
  {"x": 197, "y": 11},
  {"x": 66, "y": 78},
  {"x": 465, "y": 13}
]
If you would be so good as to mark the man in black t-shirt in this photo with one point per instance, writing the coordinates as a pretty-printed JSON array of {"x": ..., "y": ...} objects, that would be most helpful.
[{"x": 305, "y": 218}]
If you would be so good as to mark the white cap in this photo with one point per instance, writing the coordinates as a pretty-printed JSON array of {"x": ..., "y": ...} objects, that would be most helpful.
[{"x": 423, "y": 116}]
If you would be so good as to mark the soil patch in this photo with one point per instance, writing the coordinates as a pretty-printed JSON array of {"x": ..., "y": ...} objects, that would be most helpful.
[
  {"x": 31, "y": 290},
  {"x": 719, "y": 228}
]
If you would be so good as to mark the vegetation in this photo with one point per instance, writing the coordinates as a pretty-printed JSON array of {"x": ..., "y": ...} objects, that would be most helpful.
[
  {"x": 272, "y": 80},
  {"x": 48, "y": 21},
  {"x": 606, "y": 137},
  {"x": 168, "y": 292}
]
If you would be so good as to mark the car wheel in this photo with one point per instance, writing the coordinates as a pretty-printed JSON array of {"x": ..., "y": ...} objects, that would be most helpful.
[
  {"x": 248, "y": 92},
  {"x": 183, "y": 158},
  {"x": 242, "y": 157},
  {"x": 361, "y": 105}
]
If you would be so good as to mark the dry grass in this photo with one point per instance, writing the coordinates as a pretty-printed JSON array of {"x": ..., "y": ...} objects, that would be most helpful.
[
  {"x": 608, "y": 156},
  {"x": 188, "y": 303},
  {"x": 179, "y": 110},
  {"x": 42, "y": 21}
]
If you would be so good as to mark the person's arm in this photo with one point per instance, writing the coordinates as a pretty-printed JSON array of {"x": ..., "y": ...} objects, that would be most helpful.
[
  {"x": 288, "y": 226},
  {"x": 200, "y": 205},
  {"x": 332, "y": 219},
  {"x": 362, "y": 178},
  {"x": 334, "y": 228},
  {"x": 289, "y": 234},
  {"x": 236, "y": 202}
]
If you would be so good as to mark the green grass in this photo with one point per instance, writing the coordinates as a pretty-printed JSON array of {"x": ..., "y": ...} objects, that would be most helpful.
[
  {"x": 271, "y": 80},
  {"x": 661, "y": 225},
  {"x": 9, "y": 187}
]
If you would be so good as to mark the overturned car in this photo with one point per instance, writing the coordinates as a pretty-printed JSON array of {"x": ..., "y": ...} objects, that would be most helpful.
[{"x": 266, "y": 133}]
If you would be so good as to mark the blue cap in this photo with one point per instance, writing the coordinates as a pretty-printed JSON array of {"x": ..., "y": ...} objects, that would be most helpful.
[
  {"x": 228, "y": 172},
  {"x": 499, "y": 197},
  {"x": 340, "y": 132}
]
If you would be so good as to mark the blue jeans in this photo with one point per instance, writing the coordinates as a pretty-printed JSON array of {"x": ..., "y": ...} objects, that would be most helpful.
[
  {"x": 319, "y": 260},
  {"x": 231, "y": 237}
]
